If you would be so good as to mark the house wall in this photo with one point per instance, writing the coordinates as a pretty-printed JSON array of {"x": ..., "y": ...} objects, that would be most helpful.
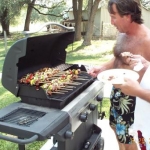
[
  {"x": 107, "y": 30},
  {"x": 102, "y": 24},
  {"x": 83, "y": 23},
  {"x": 145, "y": 16},
  {"x": 96, "y": 29}
]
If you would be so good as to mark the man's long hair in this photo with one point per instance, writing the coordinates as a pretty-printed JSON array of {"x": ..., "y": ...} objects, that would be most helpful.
[{"x": 127, "y": 7}]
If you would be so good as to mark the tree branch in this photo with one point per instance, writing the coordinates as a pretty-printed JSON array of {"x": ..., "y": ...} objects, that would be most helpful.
[
  {"x": 54, "y": 6},
  {"x": 60, "y": 15}
]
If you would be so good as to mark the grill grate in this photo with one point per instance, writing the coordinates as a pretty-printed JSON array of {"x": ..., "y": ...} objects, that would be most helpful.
[
  {"x": 22, "y": 116},
  {"x": 63, "y": 67}
]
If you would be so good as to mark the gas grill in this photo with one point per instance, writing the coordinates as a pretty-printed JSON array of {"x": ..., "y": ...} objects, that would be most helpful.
[{"x": 70, "y": 118}]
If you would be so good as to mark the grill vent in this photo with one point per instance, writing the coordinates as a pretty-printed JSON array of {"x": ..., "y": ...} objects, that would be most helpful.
[{"x": 22, "y": 116}]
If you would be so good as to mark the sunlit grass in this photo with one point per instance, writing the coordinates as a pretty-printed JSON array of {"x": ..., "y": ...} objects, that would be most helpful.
[{"x": 97, "y": 53}]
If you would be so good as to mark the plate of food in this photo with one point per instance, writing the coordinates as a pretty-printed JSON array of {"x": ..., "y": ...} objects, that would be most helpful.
[{"x": 116, "y": 76}]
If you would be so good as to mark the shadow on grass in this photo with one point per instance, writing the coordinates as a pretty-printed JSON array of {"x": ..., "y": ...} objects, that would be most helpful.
[
  {"x": 78, "y": 57},
  {"x": 75, "y": 47}
]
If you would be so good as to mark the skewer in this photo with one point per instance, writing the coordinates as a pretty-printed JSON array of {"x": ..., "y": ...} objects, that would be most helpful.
[
  {"x": 57, "y": 93},
  {"x": 67, "y": 89},
  {"x": 70, "y": 86},
  {"x": 80, "y": 79},
  {"x": 62, "y": 90},
  {"x": 73, "y": 83}
]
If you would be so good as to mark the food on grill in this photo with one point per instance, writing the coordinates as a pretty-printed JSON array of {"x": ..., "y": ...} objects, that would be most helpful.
[
  {"x": 50, "y": 79},
  {"x": 47, "y": 74},
  {"x": 126, "y": 57},
  {"x": 39, "y": 75}
]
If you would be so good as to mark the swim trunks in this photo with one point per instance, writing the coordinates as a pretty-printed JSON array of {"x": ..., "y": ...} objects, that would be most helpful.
[{"x": 122, "y": 114}]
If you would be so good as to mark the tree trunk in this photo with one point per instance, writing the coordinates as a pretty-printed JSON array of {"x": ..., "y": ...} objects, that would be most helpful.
[
  {"x": 28, "y": 15},
  {"x": 5, "y": 22},
  {"x": 92, "y": 9},
  {"x": 77, "y": 11}
]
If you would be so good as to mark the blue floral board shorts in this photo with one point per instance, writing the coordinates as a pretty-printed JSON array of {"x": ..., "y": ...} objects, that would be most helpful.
[{"x": 122, "y": 114}]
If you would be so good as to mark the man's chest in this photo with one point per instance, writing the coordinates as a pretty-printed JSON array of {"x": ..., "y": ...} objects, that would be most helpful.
[{"x": 134, "y": 46}]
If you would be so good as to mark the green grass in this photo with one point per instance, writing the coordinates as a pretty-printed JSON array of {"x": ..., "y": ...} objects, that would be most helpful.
[{"x": 97, "y": 53}]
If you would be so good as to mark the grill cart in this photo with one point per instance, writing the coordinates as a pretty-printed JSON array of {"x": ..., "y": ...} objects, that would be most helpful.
[{"x": 66, "y": 111}]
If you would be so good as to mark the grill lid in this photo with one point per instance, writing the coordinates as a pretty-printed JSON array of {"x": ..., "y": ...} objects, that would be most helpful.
[{"x": 32, "y": 53}]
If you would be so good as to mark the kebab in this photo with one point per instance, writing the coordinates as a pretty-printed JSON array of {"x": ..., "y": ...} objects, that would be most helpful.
[
  {"x": 48, "y": 74},
  {"x": 42, "y": 74},
  {"x": 57, "y": 84}
]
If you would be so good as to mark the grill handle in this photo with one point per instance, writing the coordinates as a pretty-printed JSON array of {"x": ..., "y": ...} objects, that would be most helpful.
[{"x": 19, "y": 141}]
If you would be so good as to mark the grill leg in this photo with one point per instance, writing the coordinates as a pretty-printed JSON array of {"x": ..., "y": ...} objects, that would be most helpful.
[{"x": 21, "y": 147}]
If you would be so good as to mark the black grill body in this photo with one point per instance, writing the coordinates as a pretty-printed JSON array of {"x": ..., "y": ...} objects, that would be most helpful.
[{"x": 36, "y": 53}]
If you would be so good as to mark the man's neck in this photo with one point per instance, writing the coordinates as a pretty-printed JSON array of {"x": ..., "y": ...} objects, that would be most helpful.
[{"x": 135, "y": 29}]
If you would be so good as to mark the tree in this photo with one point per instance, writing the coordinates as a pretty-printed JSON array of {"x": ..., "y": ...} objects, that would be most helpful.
[
  {"x": 28, "y": 15},
  {"x": 43, "y": 7},
  {"x": 7, "y": 13},
  {"x": 92, "y": 9},
  {"x": 77, "y": 11},
  {"x": 92, "y": 6},
  {"x": 5, "y": 21}
]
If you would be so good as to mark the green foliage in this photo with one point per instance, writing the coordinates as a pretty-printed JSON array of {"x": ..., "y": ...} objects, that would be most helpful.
[
  {"x": 85, "y": 4},
  {"x": 10, "y": 5},
  {"x": 105, "y": 106}
]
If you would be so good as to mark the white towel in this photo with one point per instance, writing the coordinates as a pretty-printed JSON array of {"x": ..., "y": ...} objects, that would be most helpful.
[{"x": 142, "y": 112}]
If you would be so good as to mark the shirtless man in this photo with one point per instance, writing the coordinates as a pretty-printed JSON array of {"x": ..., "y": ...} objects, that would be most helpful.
[{"x": 134, "y": 37}]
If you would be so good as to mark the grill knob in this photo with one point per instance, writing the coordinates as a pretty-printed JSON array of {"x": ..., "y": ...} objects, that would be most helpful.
[
  {"x": 68, "y": 134},
  {"x": 99, "y": 98},
  {"x": 92, "y": 107},
  {"x": 83, "y": 117},
  {"x": 87, "y": 144}
]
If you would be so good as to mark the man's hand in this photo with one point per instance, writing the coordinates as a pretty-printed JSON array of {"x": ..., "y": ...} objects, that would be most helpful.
[{"x": 95, "y": 71}]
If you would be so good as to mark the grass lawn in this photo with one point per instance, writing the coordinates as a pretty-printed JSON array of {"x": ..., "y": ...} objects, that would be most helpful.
[{"x": 100, "y": 51}]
